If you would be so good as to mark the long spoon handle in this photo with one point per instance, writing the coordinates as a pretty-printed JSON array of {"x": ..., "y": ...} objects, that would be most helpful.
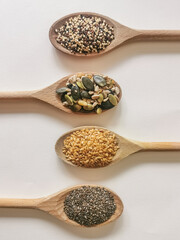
[
  {"x": 162, "y": 35},
  {"x": 160, "y": 145},
  {"x": 18, "y": 203},
  {"x": 16, "y": 95}
]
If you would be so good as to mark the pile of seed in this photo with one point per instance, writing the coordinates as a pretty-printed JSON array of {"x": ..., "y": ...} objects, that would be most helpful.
[
  {"x": 85, "y": 34},
  {"x": 90, "y": 148},
  {"x": 89, "y": 206},
  {"x": 89, "y": 92}
]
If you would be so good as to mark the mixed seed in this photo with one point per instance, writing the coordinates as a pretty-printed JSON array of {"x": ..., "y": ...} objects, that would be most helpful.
[
  {"x": 89, "y": 92},
  {"x": 90, "y": 147},
  {"x": 89, "y": 205},
  {"x": 85, "y": 34}
]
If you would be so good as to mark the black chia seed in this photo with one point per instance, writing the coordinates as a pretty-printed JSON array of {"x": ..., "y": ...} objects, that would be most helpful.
[
  {"x": 89, "y": 206},
  {"x": 85, "y": 34}
]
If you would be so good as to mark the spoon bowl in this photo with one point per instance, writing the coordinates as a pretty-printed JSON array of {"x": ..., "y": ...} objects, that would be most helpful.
[
  {"x": 126, "y": 146},
  {"x": 61, "y": 21},
  {"x": 122, "y": 34},
  {"x": 49, "y": 95},
  {"x": 54, "y": 205}
]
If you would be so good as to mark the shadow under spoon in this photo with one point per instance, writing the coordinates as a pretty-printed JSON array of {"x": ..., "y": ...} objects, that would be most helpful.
[{"x": 126, "y": 146}]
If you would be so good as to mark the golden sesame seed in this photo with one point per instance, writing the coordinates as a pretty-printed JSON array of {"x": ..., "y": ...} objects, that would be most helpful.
[{"x": 90, "y": 147}]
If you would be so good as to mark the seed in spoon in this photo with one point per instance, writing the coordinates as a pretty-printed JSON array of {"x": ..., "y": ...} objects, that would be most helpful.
[
  {"x": 88, "y": 84},
  {"x": 90, "y": 148},
  {"x": 85, "y": 34},
  {"x": 99, "y": 80},
  {"x": 62, "y": 90},
  {"x": 83, "y": 89},
  {"x": 89, "y": 205}
]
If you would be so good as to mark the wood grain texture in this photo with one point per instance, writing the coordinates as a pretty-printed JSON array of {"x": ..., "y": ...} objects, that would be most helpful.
[
  {"x": 54, "y": 205},
  {"x": 164, "y": 146},
  {"x": 126, "y": 146},
  {"x": 122, "y": 34},
  {"x": 49, "y": 95},
  {"x": 16, "y": 95},
  {"x": 158, "y": 35},
  {"x": 18, "y": 203}
]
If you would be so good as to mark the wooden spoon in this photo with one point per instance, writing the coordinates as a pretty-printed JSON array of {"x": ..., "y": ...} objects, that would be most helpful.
[
  {"x": 122, "y": 34},
  {"x": 126, "y": 146},
  {"x": 48, "y": 94},
  {"x": 54, "y": 205}
]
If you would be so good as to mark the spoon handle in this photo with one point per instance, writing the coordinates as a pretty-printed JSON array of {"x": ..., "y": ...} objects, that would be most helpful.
[
  {"x": 18, "y": 203},
  {"x": 162, "y": 35},
  {"x": 16, "y": 95},
  {"x": 160, "y": 146}
]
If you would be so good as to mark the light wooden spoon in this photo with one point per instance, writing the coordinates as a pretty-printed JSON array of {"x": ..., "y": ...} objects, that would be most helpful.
[
  {"x": 54, "y": 205},
  {"x": 126, "y": 146},
  {"x": 49, "y": 95},
  {"x": 122, "y": 34}
]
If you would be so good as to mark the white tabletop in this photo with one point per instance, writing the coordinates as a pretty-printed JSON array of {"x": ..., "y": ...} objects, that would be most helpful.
[{"x": 149, "y": 74}]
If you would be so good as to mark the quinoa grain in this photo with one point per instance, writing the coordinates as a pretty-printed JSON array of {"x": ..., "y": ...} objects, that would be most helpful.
[{"x": 85, "y": 34}]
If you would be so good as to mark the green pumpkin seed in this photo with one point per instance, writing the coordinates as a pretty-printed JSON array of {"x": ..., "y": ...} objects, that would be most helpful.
[
  {"x": 100, "y": 99},
  {"x": 75, "y": 92},
  {"x": 98, "y": 110},
  {"x": 85, "y": 94},
  {"x": 69, "y": 100},
  {"x": 69, "y": 85},
  {"x": 112, "y": 99},
  {"x": 82, "y": 103},
  {"x": 89, "y": 107},
  {"x": 76, "y": 108},
  {"x": 99, "y": 80},
  {"x": 106, "y": 105},
  {"x": 80, "y": 85},
  {"x": 61, "y": 90},
  {"x": 63, "y": 97},
  {"x": 88, "y": 84}
]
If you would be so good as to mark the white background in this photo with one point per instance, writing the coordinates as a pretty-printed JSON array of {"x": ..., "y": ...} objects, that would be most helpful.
[{"x": 149, "y": 74}]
